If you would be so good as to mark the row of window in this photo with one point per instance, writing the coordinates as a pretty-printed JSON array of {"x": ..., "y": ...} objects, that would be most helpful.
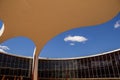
[
  {"x": 14, "y": 62},
  {"x": 107, "y": 65},
  {"x": 14, "y": 72}
]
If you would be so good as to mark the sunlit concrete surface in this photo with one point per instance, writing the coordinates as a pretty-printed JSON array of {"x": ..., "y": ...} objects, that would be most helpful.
[{"x": 41, "y": 20}]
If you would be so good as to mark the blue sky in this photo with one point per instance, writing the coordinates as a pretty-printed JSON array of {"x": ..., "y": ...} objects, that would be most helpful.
[
  {"x": 77, "y": 42},
  {"x": 1, "y": 24}
]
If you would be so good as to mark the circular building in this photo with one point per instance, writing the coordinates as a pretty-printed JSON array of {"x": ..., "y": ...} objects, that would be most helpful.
[{"x": 104, "y": 66}]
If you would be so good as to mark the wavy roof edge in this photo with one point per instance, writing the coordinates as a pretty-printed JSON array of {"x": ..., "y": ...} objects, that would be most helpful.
[{"x": 45, "y": 58}]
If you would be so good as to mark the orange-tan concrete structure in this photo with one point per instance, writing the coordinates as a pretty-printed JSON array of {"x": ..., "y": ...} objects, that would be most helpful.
[{"x": 41, "y": 20}]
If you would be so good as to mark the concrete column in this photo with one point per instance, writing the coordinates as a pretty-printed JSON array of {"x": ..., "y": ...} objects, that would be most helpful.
[
  {"x": 15, "y": 78},
  {"x": 35, "y": 66},
  {"x": 3, "y": 77},
  {"x": 21, "y": 78}
]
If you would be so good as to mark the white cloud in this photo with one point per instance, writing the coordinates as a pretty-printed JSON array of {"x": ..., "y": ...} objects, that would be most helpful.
[
  {"x": 75, "y": 39},
  {"x": 1, "y": 50},
  {"x": 117, "y": 24},
  {"x": 72, "y": 44},
  {"x": 4, "y": 48}
]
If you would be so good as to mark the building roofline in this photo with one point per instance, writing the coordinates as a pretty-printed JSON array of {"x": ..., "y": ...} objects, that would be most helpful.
[
  {"x": 45, "y": 58},
  {"x": 80, "y": 57},
  {"x": 16, "y": 55}
]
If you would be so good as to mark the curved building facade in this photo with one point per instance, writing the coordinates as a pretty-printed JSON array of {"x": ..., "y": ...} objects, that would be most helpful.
[
  {"x": 14, "y": 67},
  {"x": 104, "y": 66}
]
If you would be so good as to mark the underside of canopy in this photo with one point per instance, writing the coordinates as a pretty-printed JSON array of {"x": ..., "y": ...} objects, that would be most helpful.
[{"x": 41, "y": 20}]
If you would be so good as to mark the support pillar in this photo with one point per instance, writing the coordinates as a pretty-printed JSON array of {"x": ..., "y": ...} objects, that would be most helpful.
[
  {"x": 15, "y": 78},
  {"x": 21, "y": 78},
  {"x": 35, "y": 66},
  {"x": 3, "y": 77}
]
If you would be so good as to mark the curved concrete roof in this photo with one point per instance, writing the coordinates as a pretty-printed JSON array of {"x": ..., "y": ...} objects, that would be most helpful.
[
  {"x": 45, "y": 58},
  {"x": 41, "y": 20},
  {"x": 1, "y": 30}
]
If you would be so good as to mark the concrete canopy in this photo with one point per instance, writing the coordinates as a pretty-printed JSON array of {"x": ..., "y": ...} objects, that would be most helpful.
[{"x": 41, "y": 20}]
